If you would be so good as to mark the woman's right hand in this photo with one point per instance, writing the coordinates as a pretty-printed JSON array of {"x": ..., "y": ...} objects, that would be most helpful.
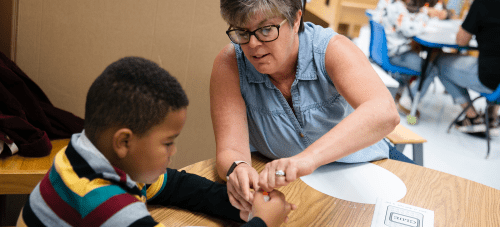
[{"x": 239, "y": 183}]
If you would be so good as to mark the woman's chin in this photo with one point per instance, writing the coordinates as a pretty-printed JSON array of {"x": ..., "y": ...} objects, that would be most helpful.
[{"x": 264, "y": 69}]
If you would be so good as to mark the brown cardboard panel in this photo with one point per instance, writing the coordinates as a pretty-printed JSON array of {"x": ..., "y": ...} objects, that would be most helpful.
[
  {"x": 173, "y": 36},
  {"x": 6, "y": 9},
  {"x": 129, "y": 29},
  {"x": 171, "y": 51},
  {"x": 28, "y": 37},
  {"x": 208, "y": 38},
  {"x": 70, "y": 42},
  {"x": 79, "y": 39},
  {"x": 64, "y": 45}
]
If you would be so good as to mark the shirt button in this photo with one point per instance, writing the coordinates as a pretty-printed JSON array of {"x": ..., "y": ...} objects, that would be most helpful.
[{"x": 301, "y": 135}]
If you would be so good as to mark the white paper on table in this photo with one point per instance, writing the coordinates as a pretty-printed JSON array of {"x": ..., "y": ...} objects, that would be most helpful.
[
  {"x": 360, "y": 182},
  {"x": 394, "y": 214}
]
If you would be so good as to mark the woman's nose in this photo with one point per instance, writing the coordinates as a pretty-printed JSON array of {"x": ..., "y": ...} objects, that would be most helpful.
[{"x": 254, "y": 42}]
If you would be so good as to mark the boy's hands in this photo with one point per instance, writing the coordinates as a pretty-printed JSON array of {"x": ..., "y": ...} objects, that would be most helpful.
[
  {"x": 239, "y": 183},
  {"x": 244, "y": 215},
  {"x": 275, "y": 211}
]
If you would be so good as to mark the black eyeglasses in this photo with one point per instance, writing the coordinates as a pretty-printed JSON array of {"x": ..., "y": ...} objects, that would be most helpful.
[{"x": 264, "y": 34}]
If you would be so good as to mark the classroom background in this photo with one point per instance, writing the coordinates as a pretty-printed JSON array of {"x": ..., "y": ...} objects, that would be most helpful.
[{"x": 64, "y": 45}]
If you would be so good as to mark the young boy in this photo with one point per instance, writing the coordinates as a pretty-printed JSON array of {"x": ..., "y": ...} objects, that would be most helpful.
[{"x": 133, "y": 113}]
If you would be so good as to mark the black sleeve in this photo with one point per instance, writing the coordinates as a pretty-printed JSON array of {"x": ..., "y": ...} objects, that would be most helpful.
[
  {"x": 147, "y": 221},
  {"x": 195, "y": 193},
  {"x": 473, "y": 18},
  {"x": 255, "y": 222}
]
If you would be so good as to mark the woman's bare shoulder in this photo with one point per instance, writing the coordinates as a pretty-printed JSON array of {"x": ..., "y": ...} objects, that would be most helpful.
[
  {"x": 227, "y": 55},
  {"x": 225, "y": 64}
]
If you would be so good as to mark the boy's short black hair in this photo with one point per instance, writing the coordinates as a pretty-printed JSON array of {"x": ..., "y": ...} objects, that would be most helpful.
[{"x": 134, "y": 93}]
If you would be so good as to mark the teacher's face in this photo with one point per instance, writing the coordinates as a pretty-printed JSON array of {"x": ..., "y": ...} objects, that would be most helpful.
[{"x": 271, "y": 57}]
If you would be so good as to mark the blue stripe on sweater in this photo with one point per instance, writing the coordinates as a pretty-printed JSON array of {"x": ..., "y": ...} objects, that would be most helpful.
[{"x": 84, "y": 205}]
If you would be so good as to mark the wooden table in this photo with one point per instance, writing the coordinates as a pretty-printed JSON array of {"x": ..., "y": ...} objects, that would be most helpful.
[
  {"x": 454, "y": 200},
  {"x": 401, "y": 136},
  {"x": 19, "y": 175}
]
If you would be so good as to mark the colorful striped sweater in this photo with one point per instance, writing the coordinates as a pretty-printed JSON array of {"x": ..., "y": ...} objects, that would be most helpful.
[{"x": 83, "y": 189}]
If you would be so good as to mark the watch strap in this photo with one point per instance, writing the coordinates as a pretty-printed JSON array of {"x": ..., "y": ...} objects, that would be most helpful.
[{"x": 233, "y": 166}]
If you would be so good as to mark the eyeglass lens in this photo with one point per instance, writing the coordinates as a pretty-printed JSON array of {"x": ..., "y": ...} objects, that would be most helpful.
[{"x": 264, "y": 34}]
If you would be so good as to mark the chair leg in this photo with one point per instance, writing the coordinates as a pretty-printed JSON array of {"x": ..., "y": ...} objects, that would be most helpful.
[
  {"x": 463, "y": 111},
  {"x": 409, "y": 91},
  {"x": 456, "y": 119},
  {"x": 418, "y": 154},
  {"x": 400, "y": 147},
  {"x": 487, "y": 129}
]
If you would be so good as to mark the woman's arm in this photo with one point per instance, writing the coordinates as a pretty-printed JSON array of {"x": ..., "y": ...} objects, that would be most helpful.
[
  {"x": 463, "y": 37},
  {"x": 374, "y": 117},
  {"x": 229, "y": 119},
  {"x": 375, "y": 113},
  {"x": 228, "y": 110}
]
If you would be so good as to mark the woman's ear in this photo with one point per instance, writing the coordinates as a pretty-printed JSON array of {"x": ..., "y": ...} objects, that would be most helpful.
[
  {"x": 121, "y": 142},
  {"x": 296, "y": 23}
]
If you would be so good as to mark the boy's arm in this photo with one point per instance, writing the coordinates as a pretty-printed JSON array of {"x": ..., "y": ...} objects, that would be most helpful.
[
  {"x": 195, "y": 193},
  {"x": 255, "y": 222}
]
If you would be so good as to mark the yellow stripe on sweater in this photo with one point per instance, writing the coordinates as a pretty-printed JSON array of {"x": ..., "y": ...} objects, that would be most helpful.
[
  {"x": 80, "y": 186},
  {"x": 155, "y": 187}
]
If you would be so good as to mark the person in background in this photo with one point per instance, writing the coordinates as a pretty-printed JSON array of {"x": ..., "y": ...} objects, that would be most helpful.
[
  {"x": 480, "y": 74},
  {"x": 133, "y": 113},
  {"x": 434, "y": 8},
  {"x": 295, "y": 92},
  {"x": 400, "y": 26}
]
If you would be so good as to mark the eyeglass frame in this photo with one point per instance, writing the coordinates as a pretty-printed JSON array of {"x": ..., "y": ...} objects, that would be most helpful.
[{"x": 250, "y": 33}]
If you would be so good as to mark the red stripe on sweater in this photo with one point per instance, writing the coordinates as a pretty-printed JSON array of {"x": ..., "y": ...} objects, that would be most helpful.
[
  {"x": 107, "y": 209},
  {"x": 57, "y": 204},
  {"x": 123, "y": 175}
]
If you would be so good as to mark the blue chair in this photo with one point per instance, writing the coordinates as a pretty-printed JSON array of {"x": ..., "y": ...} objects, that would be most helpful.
[
  {"x": 378, "y": 51},
  {"x": 369, "y": 13},
  {"x": 491, "y": 99}
]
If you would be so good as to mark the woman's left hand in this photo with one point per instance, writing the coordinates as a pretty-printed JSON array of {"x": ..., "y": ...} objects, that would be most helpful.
[{"x": 292, "y": 167}]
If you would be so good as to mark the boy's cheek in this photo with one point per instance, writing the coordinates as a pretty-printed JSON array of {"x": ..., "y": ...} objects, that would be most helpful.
[{"x": 174, "y": 151}]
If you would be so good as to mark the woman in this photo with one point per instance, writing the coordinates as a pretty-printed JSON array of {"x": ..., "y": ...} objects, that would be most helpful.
[{"x": 294, "y": 92}]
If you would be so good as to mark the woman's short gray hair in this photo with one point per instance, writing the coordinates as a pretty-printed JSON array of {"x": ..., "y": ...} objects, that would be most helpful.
[{"x": 238, "y": 12}]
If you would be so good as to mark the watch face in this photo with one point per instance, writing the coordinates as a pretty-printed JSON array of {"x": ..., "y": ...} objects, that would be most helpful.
[{"x": 231, "y": 169}]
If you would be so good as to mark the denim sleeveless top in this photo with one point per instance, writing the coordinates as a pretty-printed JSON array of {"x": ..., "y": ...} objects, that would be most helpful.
[{"x": 274, "y": 130}]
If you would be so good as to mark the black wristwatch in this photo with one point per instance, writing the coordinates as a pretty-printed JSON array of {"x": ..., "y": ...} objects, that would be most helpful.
[{"x": 233, "y": 166}]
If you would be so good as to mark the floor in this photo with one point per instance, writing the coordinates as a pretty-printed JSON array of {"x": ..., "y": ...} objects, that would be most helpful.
[{"x": 455, "y": 152}]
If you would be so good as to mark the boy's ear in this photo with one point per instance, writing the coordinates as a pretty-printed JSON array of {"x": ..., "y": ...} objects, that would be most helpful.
[{"x": 121, "y": 142}]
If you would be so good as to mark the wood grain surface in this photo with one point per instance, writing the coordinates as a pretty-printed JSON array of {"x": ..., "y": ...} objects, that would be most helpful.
[
  {"x": 454, "y": 200},
  {"x": 403, "y": 135},
  {"x": 19, "y": 175}
]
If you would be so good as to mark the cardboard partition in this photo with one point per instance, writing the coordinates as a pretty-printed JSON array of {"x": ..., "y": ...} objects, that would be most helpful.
[
  {"x": 64, "y": 45},
  {"x": 7, "y": 23}
]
